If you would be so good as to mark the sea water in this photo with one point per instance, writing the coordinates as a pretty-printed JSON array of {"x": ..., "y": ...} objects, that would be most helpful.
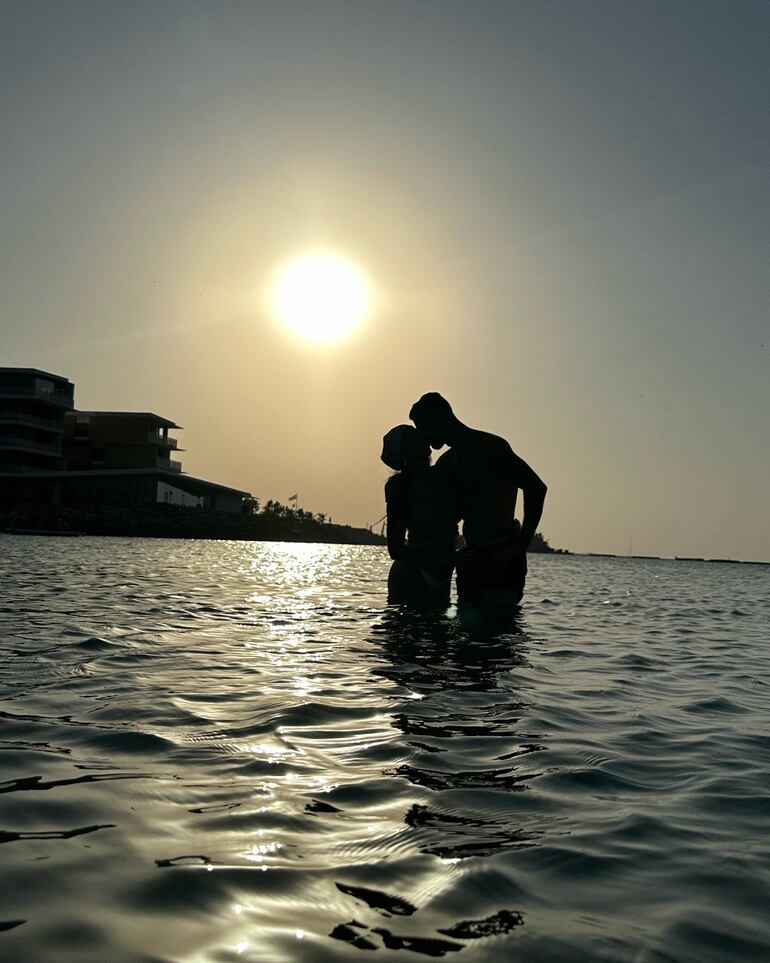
[{"x": 221, "y": 751}]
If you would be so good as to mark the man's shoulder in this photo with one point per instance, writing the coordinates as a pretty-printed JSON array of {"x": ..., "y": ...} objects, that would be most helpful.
[{"x": 490, "y": 444}]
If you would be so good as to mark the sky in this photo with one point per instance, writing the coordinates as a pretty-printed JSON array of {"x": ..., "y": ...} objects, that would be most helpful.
[{"x": 561, "y": 210}]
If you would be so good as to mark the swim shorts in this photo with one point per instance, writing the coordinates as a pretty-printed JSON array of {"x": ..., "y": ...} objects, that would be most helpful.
[{"x": 480, "y": 571}]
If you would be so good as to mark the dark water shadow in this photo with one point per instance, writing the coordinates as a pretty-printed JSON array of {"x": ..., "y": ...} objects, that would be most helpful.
[
  {"x": 460, "y": 719},
  {"x": 458, "y": 649}
]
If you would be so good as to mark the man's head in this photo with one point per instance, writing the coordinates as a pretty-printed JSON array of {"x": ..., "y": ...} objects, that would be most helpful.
[{"x": 434, "y": 418}]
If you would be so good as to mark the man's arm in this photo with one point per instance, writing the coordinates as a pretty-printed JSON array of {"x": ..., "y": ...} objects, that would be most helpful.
[{"x": 518, "y": 473}]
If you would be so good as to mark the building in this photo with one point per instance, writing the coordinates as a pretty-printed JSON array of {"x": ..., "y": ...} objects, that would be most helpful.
[
  {"x": 119, "y": 487},
  {"x": 50, "y": 453},
  {"x": 119, "y": 439},
  {"x": 33, "y": 404}
]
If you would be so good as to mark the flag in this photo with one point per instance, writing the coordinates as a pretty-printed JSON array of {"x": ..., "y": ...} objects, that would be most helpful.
[{"x": 293, "y": 498}]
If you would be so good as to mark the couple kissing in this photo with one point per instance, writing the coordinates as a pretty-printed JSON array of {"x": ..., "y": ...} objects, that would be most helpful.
[{"x": 477, "y": 481}]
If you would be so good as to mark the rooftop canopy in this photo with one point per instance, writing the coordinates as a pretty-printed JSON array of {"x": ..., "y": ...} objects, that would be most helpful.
[{"x": 148, "y": 415}]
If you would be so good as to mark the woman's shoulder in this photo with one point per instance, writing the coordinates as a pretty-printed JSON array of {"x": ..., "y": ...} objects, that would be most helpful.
[
  {"x": 396, "y": 488},
  {"x": 394, "y": 484}
]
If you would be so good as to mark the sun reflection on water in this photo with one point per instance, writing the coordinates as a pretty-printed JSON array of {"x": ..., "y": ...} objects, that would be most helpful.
[{"x": 260, "y": 851}]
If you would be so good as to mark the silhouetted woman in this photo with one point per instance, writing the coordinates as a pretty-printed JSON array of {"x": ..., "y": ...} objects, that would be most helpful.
[{"x": 422, "y": 521}]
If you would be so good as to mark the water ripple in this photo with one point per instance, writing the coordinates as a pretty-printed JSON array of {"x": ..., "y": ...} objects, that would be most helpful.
[{"x": 235, "y": 751}]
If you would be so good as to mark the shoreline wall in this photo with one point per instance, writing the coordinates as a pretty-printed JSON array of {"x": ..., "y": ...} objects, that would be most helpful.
[
  {"x": 176, "y": 521},
  {"x": 169, "y": 521}
]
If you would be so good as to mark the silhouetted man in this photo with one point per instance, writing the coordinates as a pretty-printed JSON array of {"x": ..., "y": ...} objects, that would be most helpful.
[{"x": 487, "y": 475}]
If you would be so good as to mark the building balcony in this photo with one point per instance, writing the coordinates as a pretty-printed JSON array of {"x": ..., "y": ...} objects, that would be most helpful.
[
  {"x": 166, "y": 442},
  {"x": 38, "y": 392},
  {"x": 168, "y": 464},
  {"x": 30, "y": 421},
  {"x": 31, "y": 445}
]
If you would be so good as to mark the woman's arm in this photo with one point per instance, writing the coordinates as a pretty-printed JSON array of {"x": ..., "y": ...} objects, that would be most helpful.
[
  {"x": 396, "y": 519},
  {"x": 396, "y": 536}
]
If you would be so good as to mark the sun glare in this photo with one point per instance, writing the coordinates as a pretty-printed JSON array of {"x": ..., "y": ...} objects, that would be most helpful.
[{"x": 321, "y": 297}]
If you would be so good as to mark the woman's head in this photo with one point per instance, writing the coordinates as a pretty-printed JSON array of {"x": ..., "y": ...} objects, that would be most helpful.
[{"x": 404, "y": 446}]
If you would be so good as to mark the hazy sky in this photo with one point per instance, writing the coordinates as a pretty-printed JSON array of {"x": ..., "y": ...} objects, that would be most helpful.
[{"x": 562, "y": 208}]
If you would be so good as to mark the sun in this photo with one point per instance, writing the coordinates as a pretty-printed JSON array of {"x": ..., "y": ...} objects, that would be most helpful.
[{"x": 321, "y": 296}]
